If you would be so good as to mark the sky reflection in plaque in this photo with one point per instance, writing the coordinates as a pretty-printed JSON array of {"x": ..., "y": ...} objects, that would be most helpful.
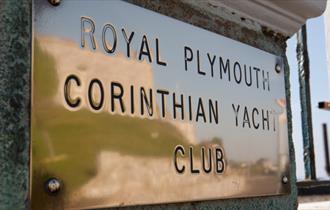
[{"x": 105, "y": 156}]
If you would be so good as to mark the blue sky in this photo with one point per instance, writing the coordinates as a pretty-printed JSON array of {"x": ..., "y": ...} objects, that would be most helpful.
[{"x": 319, "y": 92}]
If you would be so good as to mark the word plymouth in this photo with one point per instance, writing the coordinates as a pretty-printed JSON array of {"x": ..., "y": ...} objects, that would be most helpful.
[
  {"x": 203, "y": 64},
  {"x": 226, "y": 69}
]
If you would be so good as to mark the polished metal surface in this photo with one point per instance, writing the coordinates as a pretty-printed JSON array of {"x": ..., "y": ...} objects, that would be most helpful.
[{"x": 131, "y": 107}]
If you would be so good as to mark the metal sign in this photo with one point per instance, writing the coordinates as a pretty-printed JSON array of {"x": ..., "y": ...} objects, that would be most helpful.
[{"x": 131, "y": 107}]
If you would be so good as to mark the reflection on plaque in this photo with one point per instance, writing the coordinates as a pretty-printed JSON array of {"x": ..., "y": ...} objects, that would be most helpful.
[{"x": 131, "y": 107}]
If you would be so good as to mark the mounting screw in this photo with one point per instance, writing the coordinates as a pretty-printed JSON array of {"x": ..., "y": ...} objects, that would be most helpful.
[
  {"x": 53, "y": 186},
  {"x": 278, "y": 68},
  {"x": 54, "y": 2},
  {"x": 285, "y": 180}
]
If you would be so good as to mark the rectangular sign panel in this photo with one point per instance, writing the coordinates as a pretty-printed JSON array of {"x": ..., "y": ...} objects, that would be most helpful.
[{"x": 131, "y": 107}]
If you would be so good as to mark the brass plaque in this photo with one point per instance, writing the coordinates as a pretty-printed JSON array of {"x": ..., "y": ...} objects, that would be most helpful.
[{"x": 131, "y": 107}]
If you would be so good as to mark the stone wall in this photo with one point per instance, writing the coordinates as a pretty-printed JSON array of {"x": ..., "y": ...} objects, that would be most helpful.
[{"x": 15, "y": 71}]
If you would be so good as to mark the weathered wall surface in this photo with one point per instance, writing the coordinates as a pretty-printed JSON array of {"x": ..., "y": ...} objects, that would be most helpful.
[{"x": 15, "y": 70}]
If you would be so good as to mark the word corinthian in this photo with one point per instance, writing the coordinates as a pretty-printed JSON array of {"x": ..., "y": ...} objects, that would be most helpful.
[{"x": 138, "y": 101}]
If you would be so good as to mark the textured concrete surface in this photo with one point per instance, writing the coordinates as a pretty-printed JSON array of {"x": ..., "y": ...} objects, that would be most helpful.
[
  {"x": 305, "y": 103},
  {"x": 15, "y": 68},
  {"x": 227, "y": 23},
  {"x": 15, "y": 46}
]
